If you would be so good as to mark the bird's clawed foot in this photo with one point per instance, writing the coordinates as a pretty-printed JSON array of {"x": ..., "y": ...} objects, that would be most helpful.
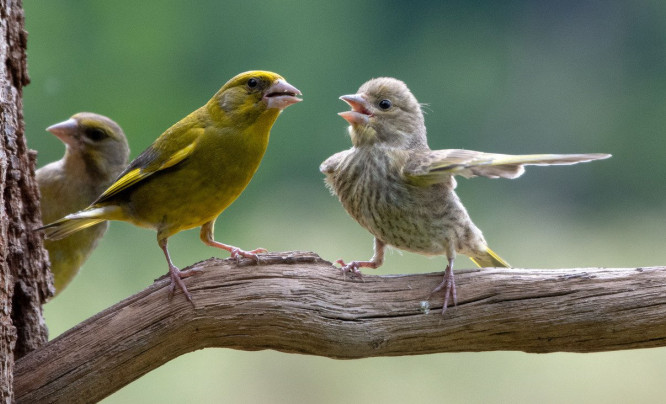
[
  {"x": 189, "y": 272},
  {"x": 449, "y": 286},
  {"x": 237, "y": 254},
  {"x": 177, "y": 277},
  {"x": 375, "y": 262},
  {"x": 206, "y": 236},
  {"x": 354, "y": 267}
]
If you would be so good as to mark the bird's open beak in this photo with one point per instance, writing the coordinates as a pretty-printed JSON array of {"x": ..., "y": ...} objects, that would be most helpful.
[
  {"x": 281, "y": 94},
  {"x": 65, "y": 131},
  {"x": 359, "y": 114}
]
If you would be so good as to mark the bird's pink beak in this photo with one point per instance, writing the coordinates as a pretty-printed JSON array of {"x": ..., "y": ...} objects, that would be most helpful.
[
  {"x": 359, "y": 114},
  {"x": 281, "y": 94},
  {"x": 65, "y": 131}
]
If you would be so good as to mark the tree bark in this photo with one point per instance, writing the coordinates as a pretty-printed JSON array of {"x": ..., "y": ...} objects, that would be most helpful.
[
  {"x": 296, "y": 302},
  {"x": 24, "y": 276}
]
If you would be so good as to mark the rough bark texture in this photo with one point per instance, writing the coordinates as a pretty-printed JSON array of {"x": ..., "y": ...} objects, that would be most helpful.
[
  {"x": 296, "y": 302},
  {"x": 24, "y": 275}
]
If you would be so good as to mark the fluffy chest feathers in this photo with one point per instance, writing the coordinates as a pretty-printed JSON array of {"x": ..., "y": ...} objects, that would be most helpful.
[{"x": 370, "y": 186}]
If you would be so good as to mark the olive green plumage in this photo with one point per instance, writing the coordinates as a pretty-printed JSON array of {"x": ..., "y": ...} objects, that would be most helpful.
[
  {"x": 195, "y": 169},
  {"x": 402, "y": 192},
  {"x": 96, "y": 152}
]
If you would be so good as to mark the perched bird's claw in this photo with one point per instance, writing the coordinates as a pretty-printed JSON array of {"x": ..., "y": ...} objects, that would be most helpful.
[
  {"x": 189, "y": 272},
  {"x": 172, "y": 290},
  {"x": 353, "y": 268},
  {"x": 449, "y": 286},
  {"x": 177, "y": 277},
  {"x": 237, "y": 254}
]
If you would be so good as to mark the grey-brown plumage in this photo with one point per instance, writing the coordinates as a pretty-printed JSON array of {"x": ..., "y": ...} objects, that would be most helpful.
[
  {"x": 402, "y": 192},
  {"x": 96, "y": 151}
]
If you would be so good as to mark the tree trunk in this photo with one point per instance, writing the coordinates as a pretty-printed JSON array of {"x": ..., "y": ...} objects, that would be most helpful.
[{"x": 25, "y": 282}]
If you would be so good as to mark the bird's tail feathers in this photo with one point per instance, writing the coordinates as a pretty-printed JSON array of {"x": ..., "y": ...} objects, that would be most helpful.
[
  {"x": 489, "y": 259},
  {"x": 75, "y": 222}
]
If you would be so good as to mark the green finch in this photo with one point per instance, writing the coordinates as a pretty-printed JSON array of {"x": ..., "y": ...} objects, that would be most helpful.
[
  {"x": 402, "y": 192},
  {"x": 96, "y": 152},
  {"x": 195, "y": 169}
]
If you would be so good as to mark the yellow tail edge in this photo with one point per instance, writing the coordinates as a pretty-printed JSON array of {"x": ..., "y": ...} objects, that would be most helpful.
[
  {"x": 490, "y": 259},
  {"x": 65, "y": 227}
]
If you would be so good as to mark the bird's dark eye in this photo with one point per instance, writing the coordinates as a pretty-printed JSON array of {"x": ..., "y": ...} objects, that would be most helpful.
[
  {"x": 95, "y": 134},
  {"x": 252, "y": 83},
  {"x": 385, "y": 104}
]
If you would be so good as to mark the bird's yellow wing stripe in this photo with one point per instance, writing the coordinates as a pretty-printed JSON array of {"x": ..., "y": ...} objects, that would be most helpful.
[
  {"x": 123, "y": 182},
  {"x": 138, "y": 174},
  {"x": 179, "y": 156}
]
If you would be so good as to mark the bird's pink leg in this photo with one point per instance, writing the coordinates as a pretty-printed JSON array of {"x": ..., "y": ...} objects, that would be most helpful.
[
  {"x": 206, "y": 236},
  {"x": 449, "y": 286},
  {"x": 176, "y": 274},
  {"x": 375, "y": 262}
]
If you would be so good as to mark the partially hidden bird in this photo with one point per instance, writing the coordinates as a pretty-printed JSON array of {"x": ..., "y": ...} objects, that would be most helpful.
[
  {"x": 402, "y": 192},
  {"x": 195, "y": 169},
  {"x": 96, "y": 151}
]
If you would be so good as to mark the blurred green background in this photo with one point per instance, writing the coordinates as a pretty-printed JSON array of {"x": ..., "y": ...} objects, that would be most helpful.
[{"x": 508, "y": 77}]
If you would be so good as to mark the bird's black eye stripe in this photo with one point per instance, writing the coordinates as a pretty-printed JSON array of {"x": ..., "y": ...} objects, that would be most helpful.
[
  {"x": 95, "y": 134},
  {"x": 385, "y": 104},
  {"x": 252, "y": 83}
]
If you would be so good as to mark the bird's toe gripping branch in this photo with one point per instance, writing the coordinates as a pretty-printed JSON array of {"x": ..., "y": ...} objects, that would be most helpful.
[
  {"x": 353, "y": 268},
  {"x": 237, "y": 254},
  {"x": 448, "y": 284}
]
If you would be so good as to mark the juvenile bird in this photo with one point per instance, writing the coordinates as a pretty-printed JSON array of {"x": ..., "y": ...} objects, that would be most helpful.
[
  {"x": 195, "y": 169},
  {"x": 402, "y": 192},
  {"x": 96, "y": 152}
]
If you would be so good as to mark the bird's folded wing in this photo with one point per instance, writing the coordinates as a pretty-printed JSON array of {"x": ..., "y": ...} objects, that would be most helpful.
[
  {"x": 438, "y": 165},
  {"x": 331, "y": 164},
  {"x": 167, "y": 151}
]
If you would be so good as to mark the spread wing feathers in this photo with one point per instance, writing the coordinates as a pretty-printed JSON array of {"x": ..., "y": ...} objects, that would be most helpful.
[
  {"x": 155, "y": 158},
  {"x": 438, "y": 165}
]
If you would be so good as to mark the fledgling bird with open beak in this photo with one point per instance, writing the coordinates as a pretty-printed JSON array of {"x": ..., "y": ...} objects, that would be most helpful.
[
  {"x": 195, "y": 169},
  {"x": 402, "y": 192},
  {"x": 96, "y": 151}
]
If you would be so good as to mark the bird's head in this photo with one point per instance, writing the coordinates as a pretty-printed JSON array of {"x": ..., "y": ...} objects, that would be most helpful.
[
  {"x": 385, "y": 111},
  {"x": 248, "y": 95},
  {"x": 95, "y": 139}
]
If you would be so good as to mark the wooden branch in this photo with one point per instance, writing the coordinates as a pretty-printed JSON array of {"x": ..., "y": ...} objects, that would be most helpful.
[{"x": 296, "y": 302}]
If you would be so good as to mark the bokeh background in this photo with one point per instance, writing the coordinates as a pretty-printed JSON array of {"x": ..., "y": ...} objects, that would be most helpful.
[{"x": 510, "y": 77}]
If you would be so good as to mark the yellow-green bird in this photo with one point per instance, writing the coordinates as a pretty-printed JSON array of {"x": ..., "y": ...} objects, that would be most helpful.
[
  {"x": 402, "y": 192},
  {"x": 195, "y": 169},
  {"x": 96, "y": 152}
]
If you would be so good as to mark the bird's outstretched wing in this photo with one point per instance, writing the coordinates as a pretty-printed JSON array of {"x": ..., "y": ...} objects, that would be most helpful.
[
  {"x": 438, "y": 165},
  {"x": 167, "y": 151}
]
